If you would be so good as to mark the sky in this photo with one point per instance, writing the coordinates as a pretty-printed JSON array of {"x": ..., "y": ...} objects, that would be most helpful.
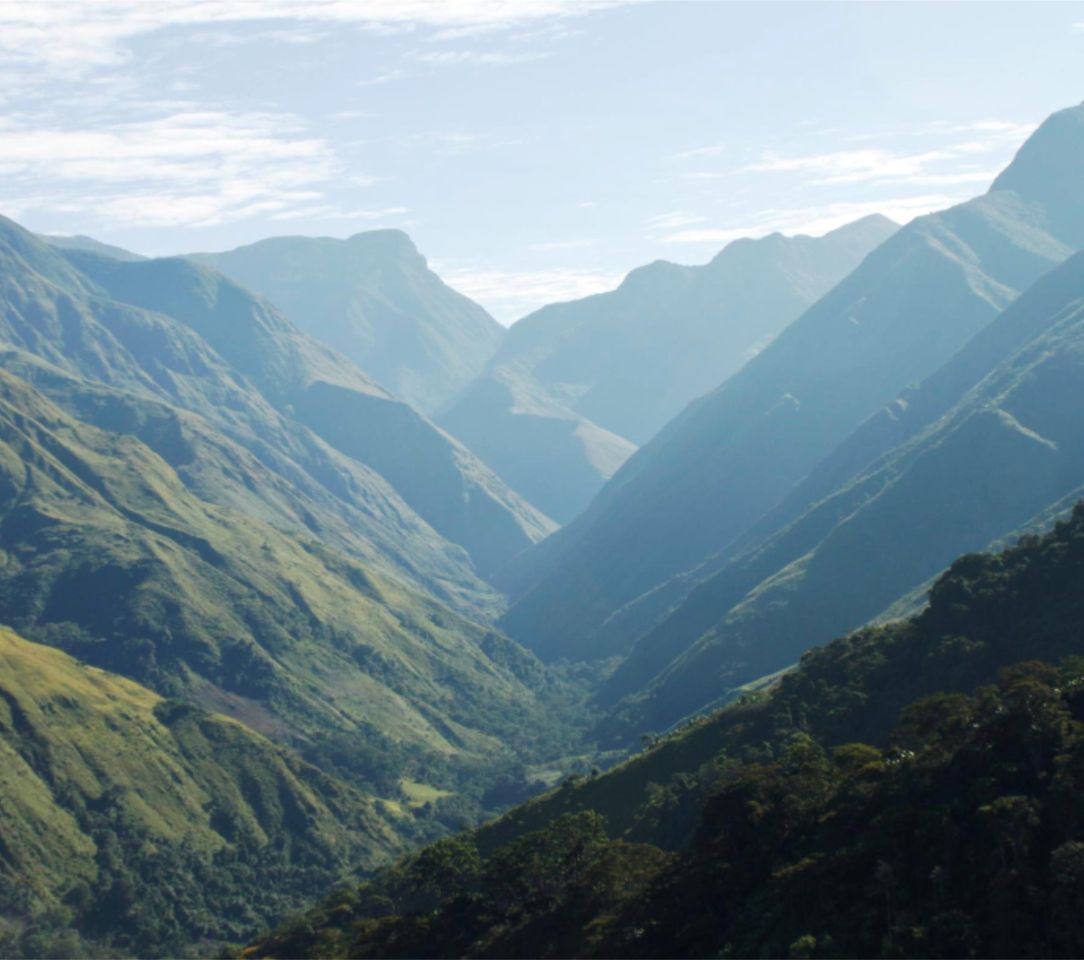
[{"x": 535, "y": 150}]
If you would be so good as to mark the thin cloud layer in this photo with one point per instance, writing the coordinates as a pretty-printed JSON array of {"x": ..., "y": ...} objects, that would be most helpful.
[
  {"x": 72, "y": 36},
  {"x": 193, "y": 167}
]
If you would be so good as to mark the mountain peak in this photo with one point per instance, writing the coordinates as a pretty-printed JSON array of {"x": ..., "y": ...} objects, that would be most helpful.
[
  {"x": 391, "y": 241},
  {"x": 1047, "y": 170}
]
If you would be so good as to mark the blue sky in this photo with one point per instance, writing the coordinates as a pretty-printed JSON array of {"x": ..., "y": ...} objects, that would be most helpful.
[{"x": 535, "y": 150}]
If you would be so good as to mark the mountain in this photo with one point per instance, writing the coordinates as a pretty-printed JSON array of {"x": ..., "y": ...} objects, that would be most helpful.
[
  {"x": 732, "y": 455},
  {"x": 442, "y": 481},
  {"x": 144, "y": 825},
  {"x": 90, "y": 245},
  {"x": 232, "y": 359},
  {"x": 107, "y": 555},
  {"x": 574, "y": 387},
  {"x": 60, "y": 316},
  {"x": 551, "y": 455},
  {"x": 1006, "y": 454},
  {"x": 910, "y": 790},
  {"x": 373, "y": 298}
]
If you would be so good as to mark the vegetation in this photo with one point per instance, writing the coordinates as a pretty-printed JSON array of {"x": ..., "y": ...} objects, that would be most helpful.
[
  {"x": 864, "y": 806},
  {"x": 132, "y": 824}
]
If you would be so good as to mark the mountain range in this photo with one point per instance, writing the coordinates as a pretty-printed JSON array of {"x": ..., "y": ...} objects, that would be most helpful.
[
  {"x": 730, "y": 457},
  {"x": 575, "y": 387},
  {"x": 286, "y": 607}
]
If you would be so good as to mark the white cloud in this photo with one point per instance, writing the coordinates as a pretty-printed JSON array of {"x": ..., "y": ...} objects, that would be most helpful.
[
  {"x": 815, "y": 220},
  {"x": 943, "y": 165},
  {"x": 1078, "y": 27},
  {"x": 188, "y": 168},
  {"x": 72, "y": 36},
  {"x": 328, "y": 212},
  {"x": 509, "y": 295}
]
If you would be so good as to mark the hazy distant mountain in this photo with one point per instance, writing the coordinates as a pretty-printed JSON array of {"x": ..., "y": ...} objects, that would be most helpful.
[
  {"x": 1010, "y": 451},
  {"x": 551, "y": 455},
  {"x": 373, "y": 298},
  {"x": 89, "y": 244},
  {"x": 575, "y": 386},
  {"x": 734, "y": 454}
]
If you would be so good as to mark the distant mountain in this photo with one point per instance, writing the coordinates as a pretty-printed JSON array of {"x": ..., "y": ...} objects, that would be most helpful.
[
  {"x": 143, "y": 825},
  {"x": 1007, "y": 454},
  {"x": 575, "y": 386},
  {"x": 910, "y": 790},
  {"x": 548, "y": 453},
  {"x": 90, "y": 245},
  {"x": 373, "y": 298},
  {"x": 733, "y": 455}
]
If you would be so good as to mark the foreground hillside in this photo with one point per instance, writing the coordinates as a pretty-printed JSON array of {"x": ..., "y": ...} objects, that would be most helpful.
[
  {"x": 909, "y": 790},
  {"x": 141, "y": 824}
]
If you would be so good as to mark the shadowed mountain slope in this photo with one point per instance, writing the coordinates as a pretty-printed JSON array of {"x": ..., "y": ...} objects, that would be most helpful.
[
  {"x": 441, "y": 480},
  {"x": 1007, "y": 453}
]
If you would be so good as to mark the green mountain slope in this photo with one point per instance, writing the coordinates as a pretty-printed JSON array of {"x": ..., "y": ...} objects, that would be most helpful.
[
  {"x": 107, "y": 555},
  {"x": 872, "y": 803},
  {"x": 374, "y": 299},
  {"x": 734, "y": 454},
  {"x": 442, "y": 481},
  {"x": 147, "y": 825},
  {"x": 573, "y": 380},
  {"x": 59, "y": 315}
]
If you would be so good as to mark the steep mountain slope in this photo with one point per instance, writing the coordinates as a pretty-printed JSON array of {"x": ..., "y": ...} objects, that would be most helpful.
[
  {"x": 1009, "y": 450},
  {"x": 735, "y": 453},
  {"x": 147, "y": 824},
  {"x": 863, "y": 806},
  {"x": 554, "y": 457},
  {"x": 441, "y": 480},
  {"x": 573, "y": 380},
  {"x": 107, "y": 555},
  {"x": 374, "y": 299},
  {"x": 52, "y": 311},
  {"x": 974, "y": 494}
]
